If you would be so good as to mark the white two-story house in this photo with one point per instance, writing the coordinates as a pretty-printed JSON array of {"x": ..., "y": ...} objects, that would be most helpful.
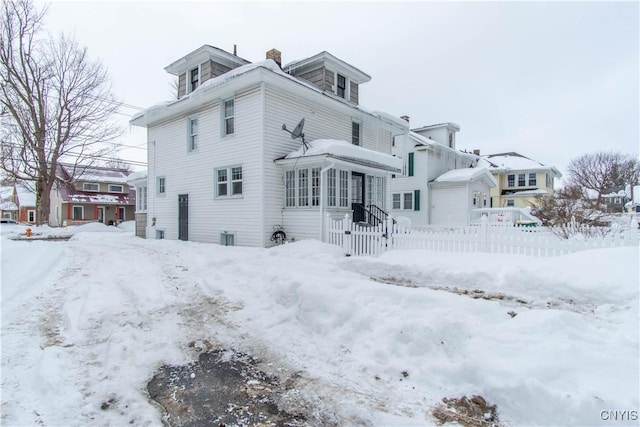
[
  {"x": 438, "y": 185},
  {"x": 231, "y": 159}
]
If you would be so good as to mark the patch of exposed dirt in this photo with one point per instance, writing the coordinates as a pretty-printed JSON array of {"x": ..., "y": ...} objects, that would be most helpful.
[
  {"x": 223, "y": 387},
  {"x": 468, "y": 412}
]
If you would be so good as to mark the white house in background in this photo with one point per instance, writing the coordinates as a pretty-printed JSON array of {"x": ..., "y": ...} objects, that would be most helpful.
[
  {"x": 429, "y": 153},
  {"x": 138, "y": 180},
  {"x": 222, "y": 168},
  {"x": 520, "y": 179}
]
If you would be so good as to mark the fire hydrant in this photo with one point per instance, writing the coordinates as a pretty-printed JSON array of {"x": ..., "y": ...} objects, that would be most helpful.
[{"x": 27, "y": 232}]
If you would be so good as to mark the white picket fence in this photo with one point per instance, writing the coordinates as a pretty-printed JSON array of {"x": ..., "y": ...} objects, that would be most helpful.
[{"x": 357, "y": 239}]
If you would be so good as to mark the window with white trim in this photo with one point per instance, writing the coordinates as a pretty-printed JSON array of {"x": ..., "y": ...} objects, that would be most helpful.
[
  {"x": 532, "y": 179},
  {"x": 159, "y": 234},
  {"x": 521, "y": 180},
  {"x": 315, "y": 187},
  {"x": 78, "y": 212},
  {"x": 331, "y": 187},
  {"x": 228, "y": 181},
  {"x": 194, "y": 79},
  {"x": 397, "y": 202},
  {"x": 91, "y": 186},
  {"x": 116, "y": 188},
  {"x": 31, "y": 216},
  {"x": 290, "y": 188},
  {"x": 303, "y": 187},
  {"x": 192, "y": 133},
  {"x": 161, "y": 185},
  {"x": 355, "y": 133},
  {"x": 141, "y": 199},
  {"x": 408, "y": 201},
  {"x": 511, "y": 202},
  {"x": 344, "y": 189},
  {"x": 341, "y": 86},
  {"x": 511, "y": 180},
  {"x": 229, "y": 115}
]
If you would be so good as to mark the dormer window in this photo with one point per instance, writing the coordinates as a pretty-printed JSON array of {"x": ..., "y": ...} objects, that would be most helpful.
[
  {"x": 342, "y": 86},
  {"x": 113, "y": 188},
  {"x": 194, "y": 79},
  {"x": 91, "y": 186}
]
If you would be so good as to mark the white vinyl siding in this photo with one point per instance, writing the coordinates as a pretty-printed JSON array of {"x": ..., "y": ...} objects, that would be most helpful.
[
  {"x": 228, "y": 181},
  {"x": 192, "y": 133},
  {"x": 210, "y": 215}
]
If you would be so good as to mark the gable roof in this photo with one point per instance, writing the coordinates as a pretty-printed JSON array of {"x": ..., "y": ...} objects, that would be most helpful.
[
  {"x": 512, "y": 161},
  {"x": 69, "y": 193},
  {"x": 93, "y": 174},
  {"x": 453, "y": 126}
]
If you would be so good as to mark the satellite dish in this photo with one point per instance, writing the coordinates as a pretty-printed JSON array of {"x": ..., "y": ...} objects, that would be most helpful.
[{"x": 297, "y": 133}]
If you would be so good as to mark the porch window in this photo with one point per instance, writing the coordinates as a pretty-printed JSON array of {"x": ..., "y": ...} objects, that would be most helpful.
[
  {"x": 303, "y": 187},
  {"x": 78, "y": 212},
  {"x": 290, "y": 188},
  {"x": 315, "y": 187},
  {"x": 396, "y": 201},
  {"x": 379, "y": 193},
  {"x": 344, "y": 189},
  {"x": 331, "y": 187}
]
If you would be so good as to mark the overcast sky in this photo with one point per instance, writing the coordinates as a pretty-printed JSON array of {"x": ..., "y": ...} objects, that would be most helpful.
[{"x": 548, "y": 80}]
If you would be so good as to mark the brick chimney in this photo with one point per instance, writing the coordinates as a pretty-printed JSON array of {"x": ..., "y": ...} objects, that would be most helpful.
[
  {"x": 476, "y": 152},
  {"x": 405, "y": 118},
  {"x": 276, "y": 56}
]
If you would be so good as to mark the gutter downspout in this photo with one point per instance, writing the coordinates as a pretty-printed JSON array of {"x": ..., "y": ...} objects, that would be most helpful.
[{"x": 322, "y": 191}]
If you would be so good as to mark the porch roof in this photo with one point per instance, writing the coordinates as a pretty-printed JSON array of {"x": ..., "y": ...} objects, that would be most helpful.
[{"x": 321, "y": 149}]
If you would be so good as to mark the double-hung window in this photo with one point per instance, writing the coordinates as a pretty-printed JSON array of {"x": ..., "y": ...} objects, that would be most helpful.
[
  {"x": 532, "y": 179},
  {"x": 408, "y": 201},
  {"x": 161, "y": 185},
  {"x": 229, "y": 113},
  {"x": 228, "y": 181},
  {"x": 303, "y": 187},
  {"x": 331, "y": 187},
  {"x": 396, "y": 201},
  {"x": 355, "y": 133},
  {"x": 290, "y": 188},
  {"x": 194, "y": 79},
  {"x": 315, "y": 187},
  {"x": 521, "y": 180},
  {"x": 341, "y": 86},
  {"x": 511, "y": 180},
  {"x": 192, "y": 133}
]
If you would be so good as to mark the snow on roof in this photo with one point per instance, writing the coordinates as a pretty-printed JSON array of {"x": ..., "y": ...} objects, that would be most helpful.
[
  {"x": 423, "y": 140},
  {"x": 346, "y": 151},
  {"x": 138, "y": 175},
  {"x": 8, "y": 205},
  {"x": 514, "y": 161},
  {"x": 535, "y": 192},
  {"x": 103, "y": 175},
  {"x": 6, "y": 192},
  {"x": 466, "y": 175},
  {"x": 26, "y": 196}
]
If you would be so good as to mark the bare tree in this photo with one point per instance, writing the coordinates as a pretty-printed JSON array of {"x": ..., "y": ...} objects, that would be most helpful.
[
  {"x": 56, "y": 104},
  {"x": 602, "y": 171},
  {"x": 568, "y": 212}
]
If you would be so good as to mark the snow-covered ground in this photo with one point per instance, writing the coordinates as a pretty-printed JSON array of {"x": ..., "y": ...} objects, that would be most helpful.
[{"x": 90, "y": 320}]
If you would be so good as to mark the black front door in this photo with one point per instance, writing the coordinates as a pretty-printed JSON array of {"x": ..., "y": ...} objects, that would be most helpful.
[
  {"x": 357, "y": 196},
  {"x": 183, "y": 216}
]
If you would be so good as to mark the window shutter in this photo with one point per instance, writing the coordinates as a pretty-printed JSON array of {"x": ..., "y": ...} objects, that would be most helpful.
[
  {"x": 410, "y": 164},
  {"x": 416, "y": 200}
]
